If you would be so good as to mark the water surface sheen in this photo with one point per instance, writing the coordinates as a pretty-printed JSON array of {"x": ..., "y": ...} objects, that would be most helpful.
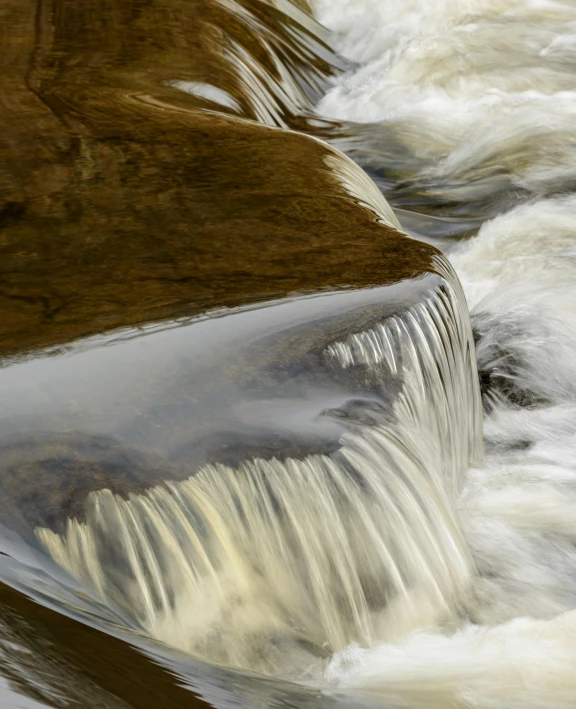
[
  {"x": 174, "y": 263},
  {"x": 241, "y": 431}
]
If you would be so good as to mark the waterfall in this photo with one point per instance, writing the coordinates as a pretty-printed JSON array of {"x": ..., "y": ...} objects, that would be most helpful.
[{"x": 277, "y": 564}]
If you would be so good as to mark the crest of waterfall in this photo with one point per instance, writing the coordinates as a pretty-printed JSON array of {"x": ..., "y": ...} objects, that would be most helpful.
[
  {"x": 277, "y": 564},
  {"x": 279, "y": 68},
  {"x": 430, "y": 349},
  {"x": 359, "y": 186}
]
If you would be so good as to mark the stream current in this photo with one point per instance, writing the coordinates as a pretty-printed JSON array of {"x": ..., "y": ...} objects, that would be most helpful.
[
  {"x": 416, "y": 546},
  {"x": 481, "y": 96}
]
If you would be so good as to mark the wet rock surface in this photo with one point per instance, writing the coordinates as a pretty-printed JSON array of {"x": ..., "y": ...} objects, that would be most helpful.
[{"x": 133, "y": 201}]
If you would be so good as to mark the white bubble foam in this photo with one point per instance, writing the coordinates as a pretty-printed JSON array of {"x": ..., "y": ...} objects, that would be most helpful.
[{"x": 476, "y": 88}]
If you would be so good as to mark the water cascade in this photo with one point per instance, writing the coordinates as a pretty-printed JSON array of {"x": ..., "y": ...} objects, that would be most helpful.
[
  {"x": 278, "y": 564},
  {"x": 468, "y": 112},
  {"x": 413, "y": 544}
]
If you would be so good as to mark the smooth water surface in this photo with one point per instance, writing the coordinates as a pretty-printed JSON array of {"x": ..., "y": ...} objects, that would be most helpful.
[{"x": 243, "y": 460}]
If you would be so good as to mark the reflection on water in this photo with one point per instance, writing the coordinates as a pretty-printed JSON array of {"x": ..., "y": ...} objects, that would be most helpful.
[
  {"x": 237, "y": 404},
  {"x": 278, "y": 564},
  {"x": 137, "y": 407},
  {"x": 132, "y": 409}
]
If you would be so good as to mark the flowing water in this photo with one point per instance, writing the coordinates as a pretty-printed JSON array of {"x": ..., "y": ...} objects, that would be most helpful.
[
  {"x": 481, "y": 96},
  {"x": 342, "y": 490},
  {"x": 253, "y": 567}
]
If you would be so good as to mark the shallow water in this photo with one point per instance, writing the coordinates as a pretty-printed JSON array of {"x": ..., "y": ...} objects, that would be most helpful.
[{"x": 241, "y": 450}]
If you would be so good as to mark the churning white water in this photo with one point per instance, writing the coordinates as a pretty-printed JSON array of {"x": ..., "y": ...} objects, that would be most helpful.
[
  {"x": 517, "y": 647},
  {"x": 474, "y": 88},
  {"x": 477, "y": 89}
]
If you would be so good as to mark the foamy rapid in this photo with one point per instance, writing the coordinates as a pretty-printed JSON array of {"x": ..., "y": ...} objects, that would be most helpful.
[
  {"x": 518, "y": 510},
  {"x": 475, "y": 89}
]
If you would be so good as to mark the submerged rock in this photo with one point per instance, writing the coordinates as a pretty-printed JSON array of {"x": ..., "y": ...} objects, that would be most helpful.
[
  {"x": 125, "y": 199},
  {"x": 148, "y": 174}
]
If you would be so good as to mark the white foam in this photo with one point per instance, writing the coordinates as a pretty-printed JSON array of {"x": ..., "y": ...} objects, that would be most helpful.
[
  {"x": 519, "y": 274},
  {"x": 471, "y": 86},
  {"x": 524, "y": 664},
  {"x": 478, "y": 88},
  {"x": 518, "y": 510}
]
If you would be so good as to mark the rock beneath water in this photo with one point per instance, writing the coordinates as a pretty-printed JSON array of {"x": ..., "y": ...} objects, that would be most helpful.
[
  {"x": 125, "y": 199},
  {"x": 149, "y": 175}
]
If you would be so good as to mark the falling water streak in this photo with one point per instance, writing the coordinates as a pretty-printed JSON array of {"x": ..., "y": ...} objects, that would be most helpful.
[
  {"x": 443, "y": 397},
  {"x": 277, "y": 564}
]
